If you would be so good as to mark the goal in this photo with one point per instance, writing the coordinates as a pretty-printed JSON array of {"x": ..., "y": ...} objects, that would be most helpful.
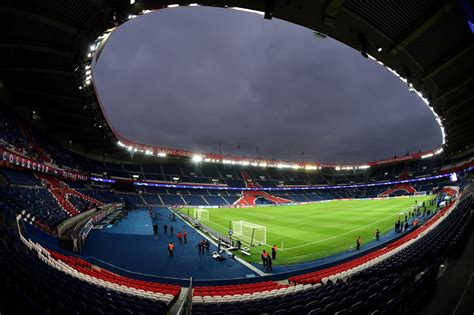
[
  {"x": 419, "y": 193},
  {"x": 251, "y": 233},
  {"x": 201, "y": 214}
]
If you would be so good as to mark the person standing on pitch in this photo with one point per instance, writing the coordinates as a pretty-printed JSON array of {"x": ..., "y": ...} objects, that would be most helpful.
[
  {"x": 358, "y": 242},
  {"x": 180, "y": 240},
  {"x": 165, "y": 228},
  {"x": 171, "y": 230},
  {"x": 274, "y": 252},
  {"x": 185, "y": 236},
  {"x": 170, "y": 249},
  {"x": 269, "y": 264},
  {"x": 264, "y": 258},
  {"x": 377, "y": 235}
]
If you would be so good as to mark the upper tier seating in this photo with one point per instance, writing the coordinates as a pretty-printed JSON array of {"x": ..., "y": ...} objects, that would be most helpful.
[
  {"x": 11, "y": 133},
  {"x": 20, "y": 178}
]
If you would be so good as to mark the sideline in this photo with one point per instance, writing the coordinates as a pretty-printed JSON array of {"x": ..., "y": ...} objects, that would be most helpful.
[{"x": 243, "y": 262}]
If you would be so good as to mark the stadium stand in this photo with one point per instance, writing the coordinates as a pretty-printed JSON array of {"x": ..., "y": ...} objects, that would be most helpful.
[
  {"x": 43, "y": 42},
  {"x": 36, "y": 281},
  {"x": 359, "y": 286},
  {"x": 374, "y": 276},
  {"x": 37, "y": 202},
  {"x": 20, "y": 178}
]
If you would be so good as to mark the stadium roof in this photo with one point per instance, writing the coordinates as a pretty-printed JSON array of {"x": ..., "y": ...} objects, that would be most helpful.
[{"x": 43, "y": 45}]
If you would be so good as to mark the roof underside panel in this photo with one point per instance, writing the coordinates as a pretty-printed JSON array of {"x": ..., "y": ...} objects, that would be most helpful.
[{"x": 391, "y": 17}]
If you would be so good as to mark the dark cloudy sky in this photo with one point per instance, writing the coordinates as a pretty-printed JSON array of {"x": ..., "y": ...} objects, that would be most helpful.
[{"x": 189, "y": 78}]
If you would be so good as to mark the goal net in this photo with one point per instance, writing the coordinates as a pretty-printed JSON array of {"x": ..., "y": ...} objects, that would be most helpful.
[
  {"x": 201, "y": 214},
  {"x": 419, "y": 193},
  {"x": 251, "y": 233}
]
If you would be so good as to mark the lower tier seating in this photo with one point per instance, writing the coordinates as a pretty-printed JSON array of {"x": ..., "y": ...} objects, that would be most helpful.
[
  {"x": 31, "y": 285},
  {"x": 38, "y": 202}
]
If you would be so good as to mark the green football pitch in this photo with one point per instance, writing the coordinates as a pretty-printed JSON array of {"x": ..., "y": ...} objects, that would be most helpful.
[{"x": 317, "y": 230}]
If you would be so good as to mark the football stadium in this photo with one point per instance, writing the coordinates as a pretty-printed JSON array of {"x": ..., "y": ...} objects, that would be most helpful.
[{"x": 95, "y": 221}]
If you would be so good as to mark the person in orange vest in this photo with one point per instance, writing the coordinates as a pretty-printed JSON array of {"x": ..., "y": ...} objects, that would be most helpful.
[
  {"x": 274, "y": 252},
  {"x": 170, "y": 249},
  {"x": 179, "y": 235},
  {"x": 185, "y": 236},
  {"x": 264, "y": 258}
]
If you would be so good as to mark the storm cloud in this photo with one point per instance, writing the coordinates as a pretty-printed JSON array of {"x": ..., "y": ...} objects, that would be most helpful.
[{"x": 222, "y": 81}]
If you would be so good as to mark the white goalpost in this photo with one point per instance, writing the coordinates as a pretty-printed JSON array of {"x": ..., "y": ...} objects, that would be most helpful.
[
  {"x": 251, "y": 233},
  {"x": 420, "y": 193},
  {"x": 201, "y": 214}
]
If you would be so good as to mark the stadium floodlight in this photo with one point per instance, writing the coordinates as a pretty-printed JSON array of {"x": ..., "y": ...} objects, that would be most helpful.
[
  {"x": 197, "y": 158},
  {"x": 135, "y": 176},
  {"x": 132, "y": 2},
  {"x": 176, "y": 178},
  {"x": 193, "y": 5},
  {"x": 380, "y": 49},
  {"x": 439, "y": 151},
  {"x": 248, "y": 10},
  {"x": 173, "y": 5},
  {"x": 161, "y": 154},
  {"x": 427, "y": 155},
  {"x": 251, "y": 233}
]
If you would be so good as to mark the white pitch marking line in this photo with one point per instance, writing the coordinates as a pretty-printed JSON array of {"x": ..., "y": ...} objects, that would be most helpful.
[{"x": 336, "y": 236}]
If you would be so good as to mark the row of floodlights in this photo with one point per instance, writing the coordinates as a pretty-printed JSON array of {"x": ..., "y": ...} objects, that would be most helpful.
[
  {"x": 137, "y": 150},
  {"x": 131, "y": 16},
  {"x": 440, "y": 150},
  {"x": 198, "y": 158},
  {"x": 420, "y": 95}
]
